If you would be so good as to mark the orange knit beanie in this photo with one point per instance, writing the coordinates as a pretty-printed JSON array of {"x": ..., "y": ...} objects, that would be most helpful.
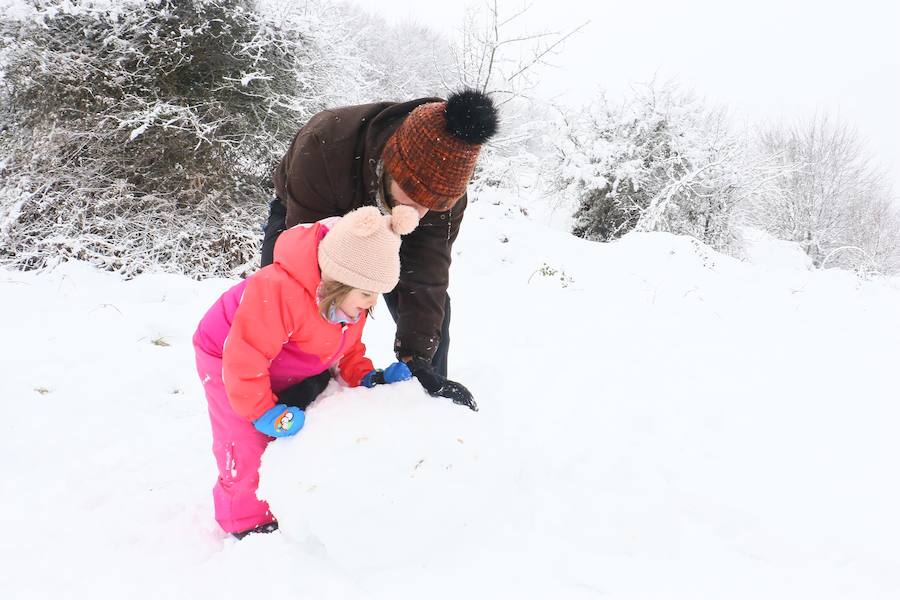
[{"x": 432, "y": 154}]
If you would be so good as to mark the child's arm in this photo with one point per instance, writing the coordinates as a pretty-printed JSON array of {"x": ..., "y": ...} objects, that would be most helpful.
[
  {"x": 354, "y": 365},
  {"x": 262, "y": 324},
  {"x": 357, "y": 370}
]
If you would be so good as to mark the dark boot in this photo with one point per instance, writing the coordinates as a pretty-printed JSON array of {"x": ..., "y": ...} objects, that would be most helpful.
[{"x": 267, "y": 528}]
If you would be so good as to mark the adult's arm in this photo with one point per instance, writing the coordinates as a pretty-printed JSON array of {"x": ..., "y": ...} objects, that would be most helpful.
[
  {"x": 425, "y": 257},
  {"x": 301, "y": 179}
]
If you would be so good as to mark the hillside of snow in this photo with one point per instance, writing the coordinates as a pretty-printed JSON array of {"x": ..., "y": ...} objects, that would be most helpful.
[{"x": 657, "y": 421}]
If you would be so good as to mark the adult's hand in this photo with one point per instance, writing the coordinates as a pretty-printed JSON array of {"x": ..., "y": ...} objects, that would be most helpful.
[{"x": 438, "y": 385}]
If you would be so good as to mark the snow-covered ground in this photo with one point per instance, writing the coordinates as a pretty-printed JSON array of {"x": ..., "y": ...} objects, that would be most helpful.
[{"x": 657, "y": 421}]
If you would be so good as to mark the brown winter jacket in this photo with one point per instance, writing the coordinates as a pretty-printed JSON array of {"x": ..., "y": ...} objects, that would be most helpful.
[{"x": 330, "y": 169}]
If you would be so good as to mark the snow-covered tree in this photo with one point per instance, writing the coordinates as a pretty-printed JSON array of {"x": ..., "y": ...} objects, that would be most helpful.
[
  {"x": 402, "y": 61},
  {"x": 498, "y": 53},
  {"x": 371, "y": 59},
  {"x": 831, "y": 198}
]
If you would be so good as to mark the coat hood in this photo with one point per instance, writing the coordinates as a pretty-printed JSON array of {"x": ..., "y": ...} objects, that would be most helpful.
[{"x": 297, "y": 252}]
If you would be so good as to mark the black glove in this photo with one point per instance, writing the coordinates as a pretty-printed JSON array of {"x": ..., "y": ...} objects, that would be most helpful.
[
  {"x": 437, "y": 385},
  {"x": 302, "y": 394}
]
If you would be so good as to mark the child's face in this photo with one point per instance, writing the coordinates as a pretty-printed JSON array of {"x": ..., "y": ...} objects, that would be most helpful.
[{"x": 358, "y": 302}]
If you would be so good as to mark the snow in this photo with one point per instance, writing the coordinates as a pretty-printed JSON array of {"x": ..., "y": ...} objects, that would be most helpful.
[
  {"x": 657, "y": 421},
  {"x": 138, "y": 131},
  {"x": 762, "y": 249},
  {"x": 248, "y": 78}
]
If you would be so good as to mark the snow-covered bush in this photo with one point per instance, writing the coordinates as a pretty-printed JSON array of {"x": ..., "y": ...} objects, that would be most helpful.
[
  {"x": 142, "y": 134},
  {"x": 660, "y": 161}
]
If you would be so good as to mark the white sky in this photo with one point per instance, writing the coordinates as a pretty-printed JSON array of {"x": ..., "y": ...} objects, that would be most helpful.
[{"x": 766, "y": 59}]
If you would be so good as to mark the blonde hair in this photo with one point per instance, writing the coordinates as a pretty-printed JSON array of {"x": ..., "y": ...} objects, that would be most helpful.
[{"x": 332, "y": 293}]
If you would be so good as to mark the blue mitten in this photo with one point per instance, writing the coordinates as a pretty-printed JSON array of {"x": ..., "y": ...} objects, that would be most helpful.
[
  {"x": 394, "y": 373},
  {"x": 397, "y": 372},
  {"x": 280, "y": 421}
]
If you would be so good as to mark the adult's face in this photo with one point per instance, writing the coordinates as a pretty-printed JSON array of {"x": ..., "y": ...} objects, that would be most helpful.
[{"x": 398, "y": 196}]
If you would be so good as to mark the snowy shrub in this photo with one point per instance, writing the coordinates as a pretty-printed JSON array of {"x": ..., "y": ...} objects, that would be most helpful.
[
  {"x": 661, "y": 161},
  {"x": 142, "y": 134},
  {"x": 549, "y": 272}
]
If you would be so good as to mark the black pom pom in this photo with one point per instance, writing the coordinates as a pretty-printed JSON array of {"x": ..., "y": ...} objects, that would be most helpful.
[{"x": 471, "y": 116}]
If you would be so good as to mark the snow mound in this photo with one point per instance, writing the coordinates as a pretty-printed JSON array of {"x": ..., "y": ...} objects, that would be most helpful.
[
  {"x": 386, "y": 477},
  {"x": 763, "y": 250}
]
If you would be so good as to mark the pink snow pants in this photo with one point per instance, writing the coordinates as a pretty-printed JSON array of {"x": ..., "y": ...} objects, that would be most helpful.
[{"x": 238, "y": 448}]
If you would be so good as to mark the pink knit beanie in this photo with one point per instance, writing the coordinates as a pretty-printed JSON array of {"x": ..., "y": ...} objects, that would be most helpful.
[{"x": 362, "y": 250}]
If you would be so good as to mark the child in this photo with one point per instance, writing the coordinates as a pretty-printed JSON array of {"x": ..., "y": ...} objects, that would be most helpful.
[{"x": 265, "y": 348}]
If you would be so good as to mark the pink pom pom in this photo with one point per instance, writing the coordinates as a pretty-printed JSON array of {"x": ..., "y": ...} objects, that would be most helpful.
[
  {"x": 404, "y": 219},
  {"x": 364, "y": 221}
]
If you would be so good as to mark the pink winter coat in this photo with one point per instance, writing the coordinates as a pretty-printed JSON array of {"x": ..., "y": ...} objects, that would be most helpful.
[{"x": 270, "y": 333}]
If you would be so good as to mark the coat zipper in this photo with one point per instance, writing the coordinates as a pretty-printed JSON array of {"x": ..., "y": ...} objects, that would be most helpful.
[{"x": 340, "y": 345}]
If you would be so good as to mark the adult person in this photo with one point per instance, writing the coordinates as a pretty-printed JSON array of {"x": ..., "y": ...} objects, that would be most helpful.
[{"x": 420, "y": 153}]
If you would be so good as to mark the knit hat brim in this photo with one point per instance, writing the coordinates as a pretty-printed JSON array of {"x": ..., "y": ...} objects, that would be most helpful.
[
  {"x": 362, "y": 249},
  {"x": 429, "y": 163},
  {"x": 332, "y": 269},
  {"x": 400, "y": 170}
]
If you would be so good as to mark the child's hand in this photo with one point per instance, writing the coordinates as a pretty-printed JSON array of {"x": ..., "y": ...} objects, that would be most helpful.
[
  {"x": 398, "y": 371},
  {"x": 280, "y": 421},
  {"x": 302, "y": 394}
]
